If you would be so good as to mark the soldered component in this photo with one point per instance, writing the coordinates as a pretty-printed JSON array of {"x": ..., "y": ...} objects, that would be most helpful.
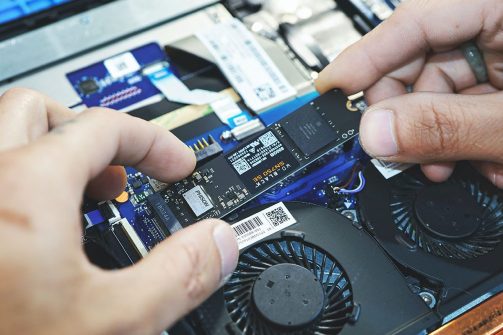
[
  {"x": 88, "y": 86},
  {"x": 123, "y": 197},
  {"x": 136, "y": 183},
  {"x": 309, "y": 131},
  {"x": 198, "y": 200},
  {"x": 163, "y": 214},
  {"x": 138, "y": 198},
  {"x": 157, "y": 185}
]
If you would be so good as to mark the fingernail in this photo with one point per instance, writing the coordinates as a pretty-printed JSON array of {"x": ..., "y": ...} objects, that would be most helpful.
[
  {"x": 227, "y": 247},
  {"x": 498, "y": 179},
  {"x": 377, "y": 133}
]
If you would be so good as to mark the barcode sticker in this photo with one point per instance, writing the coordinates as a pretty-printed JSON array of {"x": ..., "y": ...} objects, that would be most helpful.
[
  {"x": 390, "y": 169},
  {"x": 122, "y": 65},
  {"x": 262, "y": 224},
  {"x": 246, "y": 65}
]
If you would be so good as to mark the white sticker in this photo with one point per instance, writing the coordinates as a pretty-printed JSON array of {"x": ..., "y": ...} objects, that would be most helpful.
[
  {"x": 198, "y": 200},
  {"x": 122, "y": 65},
  {"x": 390, "y": 169},
  {"x": 260, "y": 225},
  {"x": 246, "y": 65}
]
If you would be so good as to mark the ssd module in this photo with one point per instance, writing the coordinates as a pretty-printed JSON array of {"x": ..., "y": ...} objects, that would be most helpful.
[{"x": 229, "y": 181}]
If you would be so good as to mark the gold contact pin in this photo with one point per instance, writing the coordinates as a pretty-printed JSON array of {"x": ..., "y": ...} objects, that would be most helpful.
[
  {"x": 200, "y": 144},
  {"x": 205, "y": 142},
  {"x": 195, "y": 147}
]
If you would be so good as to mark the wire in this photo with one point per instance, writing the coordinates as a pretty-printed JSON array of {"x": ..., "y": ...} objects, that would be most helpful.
[
  {"x": 350, "y": 179},
  {"x": 356, "y": 190}
]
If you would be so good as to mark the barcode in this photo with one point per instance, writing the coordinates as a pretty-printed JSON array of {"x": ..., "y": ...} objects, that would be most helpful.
[
  {"x": 121, "y": 66},
  {"x": 247, "y": 226},
  {"x": 262, "y": 224},
  {"x": 277, "y": 216},
  {"x": 264, "y": 92},
  {"x": 268, "y": 139},
  {"x": 241, "y": 166}
]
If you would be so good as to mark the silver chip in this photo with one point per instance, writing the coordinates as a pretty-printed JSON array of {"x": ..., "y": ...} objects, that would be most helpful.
[{"x": 198, "y": 201}]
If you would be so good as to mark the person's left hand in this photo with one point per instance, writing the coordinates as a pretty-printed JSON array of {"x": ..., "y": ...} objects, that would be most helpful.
[{"x": 48, "y": 155}]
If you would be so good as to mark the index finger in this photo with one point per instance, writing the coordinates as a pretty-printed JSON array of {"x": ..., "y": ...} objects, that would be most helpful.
[
  {"x": 87, "y": 144},
  {"x": 26, "y": 115},
  {"x": 415, "y": 28}
]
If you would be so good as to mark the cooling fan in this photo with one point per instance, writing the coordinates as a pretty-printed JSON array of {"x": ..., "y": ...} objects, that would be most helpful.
[
  {"x": 321, "y": 276},
  {"x": 286, "y": 284},
  {"x": 451, "y": 231},
  {"x": 455, "y": 219}
]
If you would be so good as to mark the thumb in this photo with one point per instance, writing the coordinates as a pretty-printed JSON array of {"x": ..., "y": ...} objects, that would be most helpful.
[
  {"x": 177, "y": 276},
  {"x": 431, "y": 127}
]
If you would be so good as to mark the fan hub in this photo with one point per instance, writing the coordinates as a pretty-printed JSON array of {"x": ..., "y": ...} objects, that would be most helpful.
[
  {"x": 447, "y": 210},
  {"x": 288, "y": 295}
]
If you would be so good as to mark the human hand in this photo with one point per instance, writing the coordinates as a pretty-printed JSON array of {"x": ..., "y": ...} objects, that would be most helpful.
[
  {"x": 449, "y": 116},
  {"x": 47, "y": 157}
]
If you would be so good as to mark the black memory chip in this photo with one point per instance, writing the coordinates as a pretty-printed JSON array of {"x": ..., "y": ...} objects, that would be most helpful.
[
  {"x": 88, "y": 86},
  {"x": 309, "y": 131}
]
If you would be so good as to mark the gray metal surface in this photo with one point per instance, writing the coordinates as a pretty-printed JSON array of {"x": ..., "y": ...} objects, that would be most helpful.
[
  {"x": 52, "y": 81},
  {"x": 87, "y": 30}
]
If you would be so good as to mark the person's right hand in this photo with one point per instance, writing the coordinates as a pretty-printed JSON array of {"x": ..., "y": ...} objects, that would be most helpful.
[
  {"x": 449, "y": 116},
  {"x": 48, "y": 157}
]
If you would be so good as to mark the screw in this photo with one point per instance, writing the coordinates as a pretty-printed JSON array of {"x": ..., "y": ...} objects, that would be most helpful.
[{"x": 428, "y": 298}]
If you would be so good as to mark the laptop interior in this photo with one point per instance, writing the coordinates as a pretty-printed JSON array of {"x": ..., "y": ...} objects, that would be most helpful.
[{"x": 282, "y": 164}]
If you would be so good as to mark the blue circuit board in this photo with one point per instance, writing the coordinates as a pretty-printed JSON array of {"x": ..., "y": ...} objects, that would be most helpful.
[
  {"x": 118, "y": 82},
  {"x": 318, "y": 183}
]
